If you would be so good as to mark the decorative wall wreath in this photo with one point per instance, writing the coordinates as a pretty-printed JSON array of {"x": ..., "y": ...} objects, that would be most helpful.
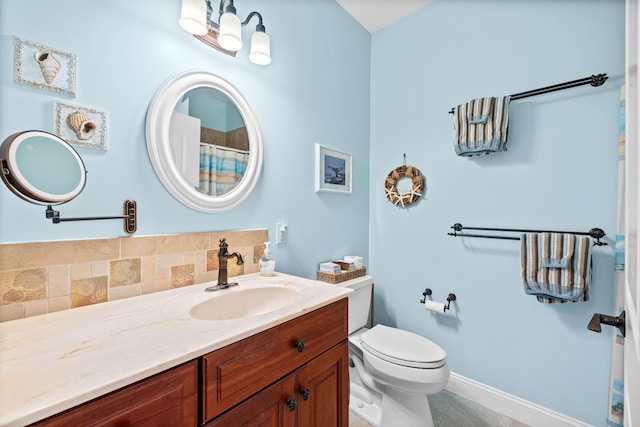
[{"x": 405, "y": 198}]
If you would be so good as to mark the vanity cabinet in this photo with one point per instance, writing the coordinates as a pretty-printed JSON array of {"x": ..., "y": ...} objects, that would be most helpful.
[
  {"x": 166, "y": 399},
  {"x": 293, "y": 374},
  {"x": 311, "y": 347}
]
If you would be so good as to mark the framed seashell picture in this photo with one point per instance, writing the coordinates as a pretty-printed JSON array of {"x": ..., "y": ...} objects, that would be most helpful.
[
  {"x": 80, "y": 125},
  {"x": 44, "y": 67}
]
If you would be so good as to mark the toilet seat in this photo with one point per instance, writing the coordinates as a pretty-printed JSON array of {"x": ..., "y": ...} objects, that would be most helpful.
[{"x": 403, "y": 348}]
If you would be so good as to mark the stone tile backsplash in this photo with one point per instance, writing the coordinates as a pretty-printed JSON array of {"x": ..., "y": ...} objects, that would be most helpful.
[{"x": 43, "y": 277}]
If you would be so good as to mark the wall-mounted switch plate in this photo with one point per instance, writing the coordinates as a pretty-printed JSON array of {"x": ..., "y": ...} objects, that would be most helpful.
[{"x": 281, "y": 233}]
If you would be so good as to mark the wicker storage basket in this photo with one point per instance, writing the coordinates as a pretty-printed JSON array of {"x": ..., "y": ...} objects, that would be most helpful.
[{"x": 342, "y": 276}]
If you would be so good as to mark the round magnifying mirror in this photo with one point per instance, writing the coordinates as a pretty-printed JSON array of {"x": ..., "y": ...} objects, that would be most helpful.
[
  {"x": 41, "y": 168},
  {"x": 205, "y": 141}
]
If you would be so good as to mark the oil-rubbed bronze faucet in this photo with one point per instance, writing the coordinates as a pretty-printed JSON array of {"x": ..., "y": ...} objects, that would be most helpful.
[{"x": 223, "y": 257}]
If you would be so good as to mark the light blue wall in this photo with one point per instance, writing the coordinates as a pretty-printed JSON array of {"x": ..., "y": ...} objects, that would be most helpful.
[
  {"x": 217, "y": 114},
  {"x": 234, "y": 119},
  {"x": 315, "y": 90},
  {"x": 560, "y": 173},
  {"x": 211, "y": 112}
]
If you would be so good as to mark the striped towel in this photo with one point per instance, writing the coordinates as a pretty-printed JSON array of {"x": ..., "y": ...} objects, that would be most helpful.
[
  {"x": 481, "y": 126},
  {"x": 556, "y": 267}
]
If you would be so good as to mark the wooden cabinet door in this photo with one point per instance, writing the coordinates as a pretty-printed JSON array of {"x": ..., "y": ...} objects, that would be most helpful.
[
  {"x": 323, "y": 389},
  {"x": 275, "y": 406},
  {"x": 167, "y": 399}
]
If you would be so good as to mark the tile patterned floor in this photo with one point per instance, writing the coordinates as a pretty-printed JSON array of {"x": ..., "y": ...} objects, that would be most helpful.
[{"x": 450, "y": 410}]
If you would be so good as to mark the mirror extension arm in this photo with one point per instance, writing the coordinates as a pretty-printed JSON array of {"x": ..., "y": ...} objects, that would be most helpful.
[{"x": 129, "y": 216}]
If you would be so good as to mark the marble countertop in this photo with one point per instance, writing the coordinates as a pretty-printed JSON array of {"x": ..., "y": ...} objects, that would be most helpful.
[{"x": 53, "y": 362}]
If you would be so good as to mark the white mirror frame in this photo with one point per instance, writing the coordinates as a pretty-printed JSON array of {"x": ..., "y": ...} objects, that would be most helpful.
[{"x": 159, "y": 148}]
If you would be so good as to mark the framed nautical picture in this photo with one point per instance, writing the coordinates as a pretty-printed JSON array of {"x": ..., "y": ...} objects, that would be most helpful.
[
  {"x": 44, "y": 67},
  {"x": 333, "y": 170}
]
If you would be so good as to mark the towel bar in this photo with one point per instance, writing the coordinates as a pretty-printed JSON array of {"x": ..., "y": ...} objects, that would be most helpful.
[
  {"x": 595, "y": 81},
  {"x": 594, "y": 233}
]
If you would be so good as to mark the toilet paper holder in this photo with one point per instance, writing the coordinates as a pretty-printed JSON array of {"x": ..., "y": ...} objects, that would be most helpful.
[{"x": 427, "y": 292}]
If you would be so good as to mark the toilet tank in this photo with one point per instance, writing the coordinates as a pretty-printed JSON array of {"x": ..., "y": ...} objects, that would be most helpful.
[{"x": 359, "y": 301}]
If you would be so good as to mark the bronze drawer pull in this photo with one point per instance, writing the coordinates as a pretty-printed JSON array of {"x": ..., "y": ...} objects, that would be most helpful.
[
  {"x": 300, "y": 345},
  {"x": 292, "y": 404},
  {"x": 305, "y": 393}
]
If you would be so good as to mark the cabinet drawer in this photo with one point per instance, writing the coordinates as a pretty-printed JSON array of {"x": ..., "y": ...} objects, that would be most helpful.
[
  {"x": 241, "y": 369},
  {"x": 167, "y": 399}
]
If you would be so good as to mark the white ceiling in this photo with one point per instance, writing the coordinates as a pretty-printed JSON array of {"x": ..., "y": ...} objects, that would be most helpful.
[{"x": 376, "y": 14}]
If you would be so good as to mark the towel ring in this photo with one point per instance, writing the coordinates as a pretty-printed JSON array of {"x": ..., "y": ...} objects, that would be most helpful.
[{"x": 404, "y": 199}]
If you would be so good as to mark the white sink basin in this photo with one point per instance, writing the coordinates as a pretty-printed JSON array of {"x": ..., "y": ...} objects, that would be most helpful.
[{"x": 241, "y": 303}]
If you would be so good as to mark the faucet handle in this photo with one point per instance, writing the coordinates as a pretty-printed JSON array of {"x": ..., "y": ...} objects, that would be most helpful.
[{"x": 223, "y": 246}]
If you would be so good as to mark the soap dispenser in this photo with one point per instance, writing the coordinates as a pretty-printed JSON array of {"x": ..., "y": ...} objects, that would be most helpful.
[{"x": 267, "y": 264}]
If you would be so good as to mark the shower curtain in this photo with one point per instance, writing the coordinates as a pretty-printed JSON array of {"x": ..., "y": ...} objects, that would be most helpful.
[
  {"x": 221, "y": 168},
  {"x": 615, "y": 413}
]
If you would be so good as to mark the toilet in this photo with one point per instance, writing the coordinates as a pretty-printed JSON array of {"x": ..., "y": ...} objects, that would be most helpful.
[{"x": 391, "y": 371}]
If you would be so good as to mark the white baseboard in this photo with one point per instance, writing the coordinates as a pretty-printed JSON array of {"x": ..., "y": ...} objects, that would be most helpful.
[{"x": 511, "y": 406}]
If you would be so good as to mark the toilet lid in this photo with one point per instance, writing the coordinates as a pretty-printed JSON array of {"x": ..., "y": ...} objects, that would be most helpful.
[{"x": 403, "y": 347}]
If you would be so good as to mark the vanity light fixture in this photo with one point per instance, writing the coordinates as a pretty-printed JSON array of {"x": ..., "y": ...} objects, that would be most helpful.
[{"x": 225, "y": 35}]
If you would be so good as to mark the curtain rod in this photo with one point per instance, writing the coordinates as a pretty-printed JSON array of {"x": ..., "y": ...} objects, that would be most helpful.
[
  {"x": 595, "y": 81},
  {"x": 595, "y": 233}
]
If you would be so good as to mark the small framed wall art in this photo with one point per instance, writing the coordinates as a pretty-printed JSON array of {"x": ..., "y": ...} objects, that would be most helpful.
[
  {"x": 333, "y": 170},
  {"x": 80, "y": 125},
  {"x": 44, "y": 67}
]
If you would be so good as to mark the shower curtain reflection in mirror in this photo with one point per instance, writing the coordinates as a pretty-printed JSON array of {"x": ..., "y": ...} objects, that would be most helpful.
[{"x": 221, "y": 168}]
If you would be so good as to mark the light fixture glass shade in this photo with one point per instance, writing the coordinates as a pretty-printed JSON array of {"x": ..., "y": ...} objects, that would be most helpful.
[
  {"x": 260, "y": 48},
  {"x": 193, "y": 17},
  {"x": 230, "y": 34}
]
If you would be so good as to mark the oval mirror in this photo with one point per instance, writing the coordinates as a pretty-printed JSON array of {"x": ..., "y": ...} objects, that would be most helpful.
[
  {"x": 205, "y": 141},
  {"x": 41, "y": 168}
]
